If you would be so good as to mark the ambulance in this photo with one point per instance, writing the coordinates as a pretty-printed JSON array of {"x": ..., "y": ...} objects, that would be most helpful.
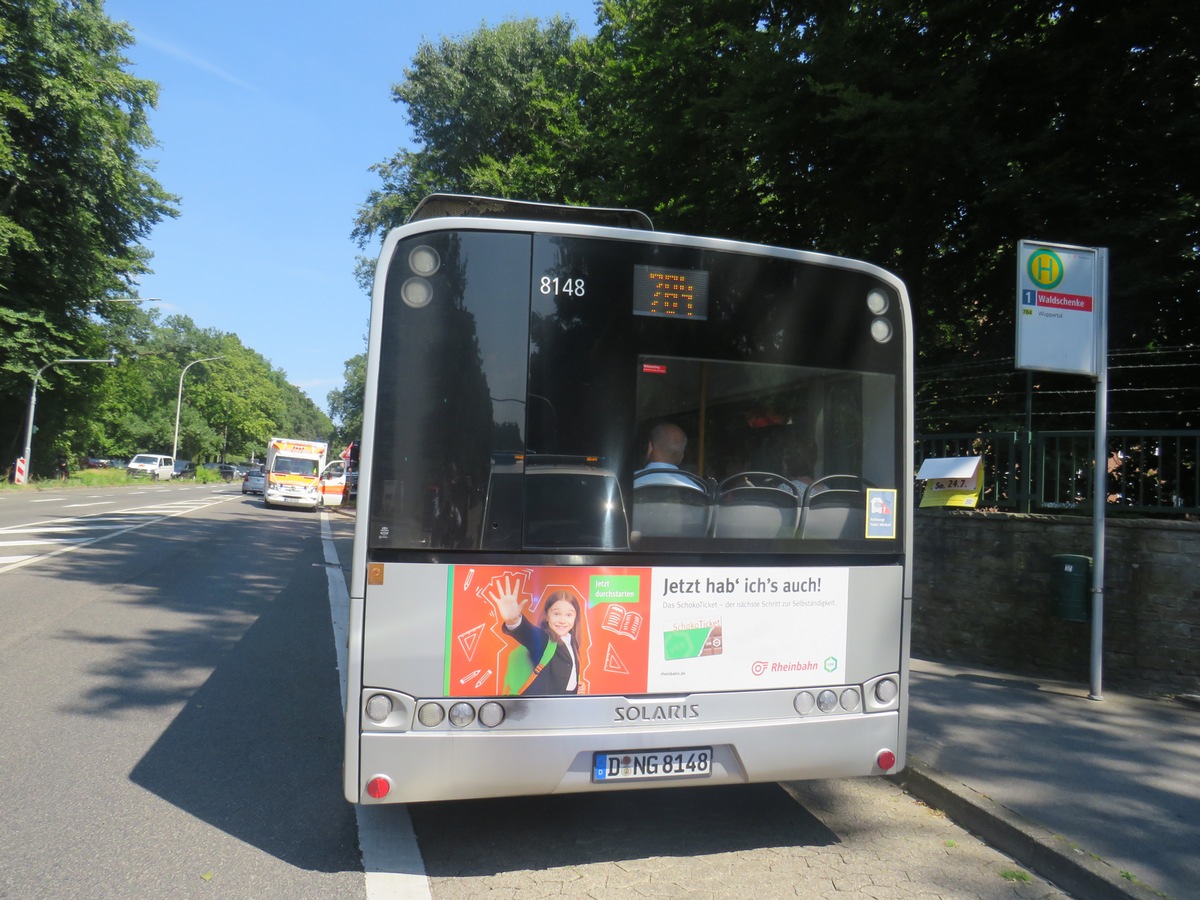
[{"x": 297, "y": 475}]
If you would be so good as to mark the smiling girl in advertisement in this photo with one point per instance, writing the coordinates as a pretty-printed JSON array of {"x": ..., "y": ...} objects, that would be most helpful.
[{"x": 553, "y": 644}]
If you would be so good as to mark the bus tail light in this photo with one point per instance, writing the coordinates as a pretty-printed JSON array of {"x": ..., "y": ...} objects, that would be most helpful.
[
  {"x": 379, "y": 787},
  {"x": 430, "y": 714},
  {"x": 424, "y": 261},
  {"x": 379, "y": 707},
  {"x": 491, "y": 714},
  {"x": 462, "y": 715},
  {"x": 885, "y": 760},
  {"x": 881, "y": 330},
  {"x": 416, "y": 292},
  {"x": 886, "y": 691}
]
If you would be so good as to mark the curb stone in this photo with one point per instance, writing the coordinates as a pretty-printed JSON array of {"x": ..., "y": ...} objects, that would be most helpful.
[{"x": 1050, "y": 855}]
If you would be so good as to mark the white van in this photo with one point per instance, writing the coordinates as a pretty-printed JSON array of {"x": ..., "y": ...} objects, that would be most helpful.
[{"x": 157, "y": 467}]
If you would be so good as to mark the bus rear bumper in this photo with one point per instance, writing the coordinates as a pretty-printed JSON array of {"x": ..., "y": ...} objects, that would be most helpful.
[{"x": 470, "y": 765}]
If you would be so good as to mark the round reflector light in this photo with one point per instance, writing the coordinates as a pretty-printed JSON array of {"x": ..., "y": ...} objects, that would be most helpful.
[
  {"x": 424, "y": 260},
  {"x": 886, "y": 691},
  {"x": 827, "y": 701},
  {"x": 379, "y": 787},
  {"x": 431, "y": 715},
  {"x": 379, "y": 707},
  {"x": 462, "y": 714},
  {"x": 417, "y": 292},
  {"x": 877, "y": 302},
  {"x": 849, "y": 699},
  {"x": 491, "y": 714},
  {"x": 885, "y": 760}
]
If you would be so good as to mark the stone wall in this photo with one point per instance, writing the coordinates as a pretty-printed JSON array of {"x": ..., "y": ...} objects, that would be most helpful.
[{"x": 984, "y": 593}]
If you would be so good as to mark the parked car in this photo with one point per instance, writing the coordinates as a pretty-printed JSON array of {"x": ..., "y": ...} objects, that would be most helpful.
[
  {"x": 153, "y": 466},
  {"x": 254, "y": 481},
  {"x": 227, "y": 471},
  {"x": 184, "y": 468}
]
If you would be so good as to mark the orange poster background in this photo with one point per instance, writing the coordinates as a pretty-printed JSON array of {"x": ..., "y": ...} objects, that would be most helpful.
[{"x": 614, "y": 637}]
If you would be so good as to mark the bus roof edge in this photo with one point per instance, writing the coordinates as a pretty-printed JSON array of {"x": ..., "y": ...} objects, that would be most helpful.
[{"x": 445, "y": 205}]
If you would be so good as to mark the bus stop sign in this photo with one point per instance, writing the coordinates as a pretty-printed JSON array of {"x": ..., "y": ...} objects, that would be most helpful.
[{"x": 1061, "y": 315}]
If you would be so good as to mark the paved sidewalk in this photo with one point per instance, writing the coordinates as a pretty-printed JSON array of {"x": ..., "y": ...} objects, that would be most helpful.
[{"x": 1080, "y": 791}]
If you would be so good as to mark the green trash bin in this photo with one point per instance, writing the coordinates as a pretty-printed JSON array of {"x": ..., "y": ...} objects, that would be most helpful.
[{"x": 1072, "y": 583}]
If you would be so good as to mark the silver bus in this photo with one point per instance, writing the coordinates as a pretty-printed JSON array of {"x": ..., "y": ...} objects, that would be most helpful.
[{"x": 634, "y": 510}]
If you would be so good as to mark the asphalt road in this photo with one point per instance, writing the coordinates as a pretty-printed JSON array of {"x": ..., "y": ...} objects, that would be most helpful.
[
  {"x": 172, "y": 728},
  {"x": 170, "y": 705}
]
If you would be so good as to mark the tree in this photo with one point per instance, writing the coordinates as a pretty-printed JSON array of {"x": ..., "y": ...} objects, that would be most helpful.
[
  {"x": 346, "y": 404},
  {"x": 230, "y": 406},
  {"x": 676, "y": 108},
  {"x": 76, "y": 195},
  {"x": 927, "y": 138},
  {"x": 496, "y": 113}
]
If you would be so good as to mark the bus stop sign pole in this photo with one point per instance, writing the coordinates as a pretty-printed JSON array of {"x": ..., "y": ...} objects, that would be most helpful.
[{"x": 1062, "y": 326}]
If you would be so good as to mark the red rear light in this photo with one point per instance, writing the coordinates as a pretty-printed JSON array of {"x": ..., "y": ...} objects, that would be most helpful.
[
  {"x": 379, "y": 787},
  {"x": 885, "y": 760}
]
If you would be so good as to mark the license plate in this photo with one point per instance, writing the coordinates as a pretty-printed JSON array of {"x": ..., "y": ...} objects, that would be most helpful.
[{"x": 630, "y": 765}]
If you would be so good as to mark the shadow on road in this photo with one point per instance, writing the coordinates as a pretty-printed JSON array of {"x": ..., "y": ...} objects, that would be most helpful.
[
  {"x": 257, "y": 751},
  {"x": 487, "y": 837},
  {"x": 256, "y": 748}
]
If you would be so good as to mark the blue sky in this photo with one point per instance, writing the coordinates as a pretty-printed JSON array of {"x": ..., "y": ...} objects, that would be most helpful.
[{"x": 269, "y": 116}]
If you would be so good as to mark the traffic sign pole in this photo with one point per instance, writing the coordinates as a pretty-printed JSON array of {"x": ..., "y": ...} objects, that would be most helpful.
[{"x": 1062, "y": 326}]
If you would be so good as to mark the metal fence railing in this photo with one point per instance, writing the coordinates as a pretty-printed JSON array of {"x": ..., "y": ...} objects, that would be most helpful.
[{"x": 1148, "y": 471}]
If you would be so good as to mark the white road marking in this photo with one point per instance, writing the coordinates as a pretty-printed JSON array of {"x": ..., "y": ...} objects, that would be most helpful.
[
  {"x": 142, "y": 517},
  {"x": 58, "y": 529},
  {"x": 34, "y": 543},
  {"x": 392, "y": 862}
]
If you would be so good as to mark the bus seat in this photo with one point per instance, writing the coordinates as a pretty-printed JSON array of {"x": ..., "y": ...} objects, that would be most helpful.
[
  {"x": 667, "y": 510},
  {"x": 756, "y": 512},
  {"x": 834, "y": 508}
]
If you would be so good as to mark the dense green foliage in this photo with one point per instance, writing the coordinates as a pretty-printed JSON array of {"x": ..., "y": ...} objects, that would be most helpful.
[
  {"x": 346, "y": 403},
  {"x": 76, "y": 196},
  {"x": 230, "y": 406},
  {"x": 76, "y": 199},
  {"x": 928, "y": 138},
  {"x": 496, "y": 113}
]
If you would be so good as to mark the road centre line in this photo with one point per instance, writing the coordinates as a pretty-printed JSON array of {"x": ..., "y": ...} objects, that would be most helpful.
[
  {"x": 104, "y": 537},
  {"x": 97, "y": 503}
]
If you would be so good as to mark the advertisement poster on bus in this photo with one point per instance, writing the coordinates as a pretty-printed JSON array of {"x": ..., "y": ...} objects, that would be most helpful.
[{"x": 642, "y": 630}]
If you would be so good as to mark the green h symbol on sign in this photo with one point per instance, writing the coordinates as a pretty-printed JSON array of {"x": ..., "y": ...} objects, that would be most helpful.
[{"x": 1045, "y": 269}]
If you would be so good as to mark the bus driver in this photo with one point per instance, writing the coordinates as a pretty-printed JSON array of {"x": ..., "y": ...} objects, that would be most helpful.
[{"x": 664, "y": 453}]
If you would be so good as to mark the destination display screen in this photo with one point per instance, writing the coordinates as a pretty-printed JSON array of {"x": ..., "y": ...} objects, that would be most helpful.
[{"x": 672, "y": 293}]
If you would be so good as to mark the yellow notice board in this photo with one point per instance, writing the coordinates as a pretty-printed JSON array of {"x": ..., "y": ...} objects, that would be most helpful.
[{"x": 956, "y": 482}]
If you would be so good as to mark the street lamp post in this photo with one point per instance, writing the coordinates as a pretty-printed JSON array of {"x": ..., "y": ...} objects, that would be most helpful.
[
  {"x": 179, "y": 400},
  {"x": 112, "y": 361}
]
